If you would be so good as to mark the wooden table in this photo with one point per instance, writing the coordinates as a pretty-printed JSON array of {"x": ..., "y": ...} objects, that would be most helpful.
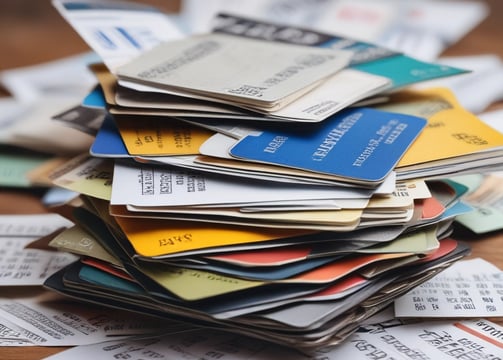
[{"x": 32, "y": 32}]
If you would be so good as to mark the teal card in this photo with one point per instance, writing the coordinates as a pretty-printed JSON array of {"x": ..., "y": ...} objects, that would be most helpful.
[{"x": 404, "y": 70}]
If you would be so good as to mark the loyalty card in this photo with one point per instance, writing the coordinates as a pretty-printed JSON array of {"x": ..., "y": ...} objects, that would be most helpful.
[{"x": 359, "y": 144}]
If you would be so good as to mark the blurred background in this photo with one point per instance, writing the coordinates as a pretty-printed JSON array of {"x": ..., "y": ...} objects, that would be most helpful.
[{"x": 33, "y": 31}]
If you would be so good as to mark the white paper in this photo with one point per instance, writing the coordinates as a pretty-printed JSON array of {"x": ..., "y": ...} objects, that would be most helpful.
[
  {"x": 198, "y": 14},
  {"x": 36, "y": 130},
  {"x": 478, "y": 89},
  {"x": 425, "y": 341},
  {"x": 469, "y": 288},
  {"x": 153, "y": 186},
  {"x": 118, "y": 32},
  {"x": 20, "y": 266},
  {"x": 66, "y": 75},
  {"x": 493, "y": 118},
  {"x": 191, "y": 345},
  {"x": 50, "y": 320},
  {"x": 365, "y": 20},
  {"x": 38, "y": 93},
  {"x": 470, "y": 340}
]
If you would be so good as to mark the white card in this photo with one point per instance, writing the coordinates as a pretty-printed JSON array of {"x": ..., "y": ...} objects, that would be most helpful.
[{"x": 145, "y": 185}]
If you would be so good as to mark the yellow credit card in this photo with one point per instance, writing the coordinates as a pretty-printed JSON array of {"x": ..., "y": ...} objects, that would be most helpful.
[
  {"x": 160, "y": 136},
  {"x": 158, "y": 237},
  {"x": 451, "y": 131}
]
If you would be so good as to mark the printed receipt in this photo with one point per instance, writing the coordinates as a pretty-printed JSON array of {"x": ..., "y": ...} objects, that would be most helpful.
[
  {"x": 20, "y": 266},
  {"x": 479, "y": 339},
  {"x": 469, "y": 288}
]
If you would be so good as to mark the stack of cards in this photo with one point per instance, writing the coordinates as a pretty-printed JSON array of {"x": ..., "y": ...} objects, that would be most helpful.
[{"x": 199, "y": 204}]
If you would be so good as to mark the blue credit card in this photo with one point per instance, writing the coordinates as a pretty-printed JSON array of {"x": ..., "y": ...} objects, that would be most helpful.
[
  {"x": 95, "y": 98},
  {"x": 356, "y": 144},
  {"x": 108, "y": 141}
]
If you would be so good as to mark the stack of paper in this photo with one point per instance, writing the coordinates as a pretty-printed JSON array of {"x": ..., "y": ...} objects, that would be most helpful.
[{"x": 199, "y": 204}]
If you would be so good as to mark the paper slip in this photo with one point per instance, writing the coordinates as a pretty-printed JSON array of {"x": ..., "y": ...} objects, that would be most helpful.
[
  {"x": 36, "y": 225},
  {"x": 49, "y": 320},
  {"x": 246, "y": 71},
  {"x": 190, "y": 345},
  {"x": 36, "y": 130},
  {"x": 144, "y": 185},
  {"x": 477, "y": 339},
  {"x": 67, "y": 74},
  {"x": 360, "y": 145},
  {"x": 427, "y": 341},
  {"x": 118, "y": 31},
  {"x": 470, "y": 288},
  {"x": 20, "y": 266}
]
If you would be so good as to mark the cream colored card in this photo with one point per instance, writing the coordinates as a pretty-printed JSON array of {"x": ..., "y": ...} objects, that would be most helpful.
[
  {"x": 341, "y": 90},
  {"x": 246, "y": 71},
  {"x": 86, "y": 175},
  {"x": 403, "y": 196},
  {"x": 418, "y": 242},
  {"x": 126, "y": 101},
  {"x": 341, "y": 217},
  {"x": 192, "y": 285},
  {"x": 77, "y": 241},
  {"x": 150, "y": 213}
]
